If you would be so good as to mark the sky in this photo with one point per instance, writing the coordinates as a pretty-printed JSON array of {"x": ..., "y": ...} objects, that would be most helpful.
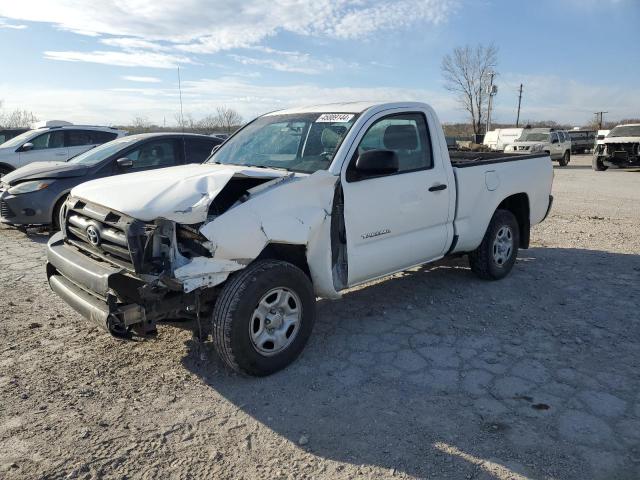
[{"x": 109, "y": 61}]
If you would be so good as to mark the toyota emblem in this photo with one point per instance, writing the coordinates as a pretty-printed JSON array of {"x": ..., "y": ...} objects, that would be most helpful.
[{"x": 93, "y": 235}]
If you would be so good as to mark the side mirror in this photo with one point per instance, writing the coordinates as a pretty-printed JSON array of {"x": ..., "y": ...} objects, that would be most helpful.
[
  {"x": 377, "y": 162},
  {"x": 26, "y": 147},
  {"x": 124, "y": 163}
]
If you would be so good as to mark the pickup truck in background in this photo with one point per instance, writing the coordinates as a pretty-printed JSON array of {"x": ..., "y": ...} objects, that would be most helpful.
[
  {"x": 620, "y": 148},
  {"x": 298, "y": 204},
  {"x": 555, "y": 143},
  {"x": 582, "y": 141}
]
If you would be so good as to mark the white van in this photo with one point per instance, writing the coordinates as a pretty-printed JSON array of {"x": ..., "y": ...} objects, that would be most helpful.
[{"x": 498, "y": 138}]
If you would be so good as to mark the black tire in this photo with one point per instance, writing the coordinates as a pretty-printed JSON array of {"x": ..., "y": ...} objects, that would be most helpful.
[
  {"x": 234, "y": 312},
  {"x": 566, "y": 158},
  {"x": 482, "y": 259},
  {"x": 55, "y": 214},
  {"x": 597, "y": 164},
  {"x": 4, "y": 170}
]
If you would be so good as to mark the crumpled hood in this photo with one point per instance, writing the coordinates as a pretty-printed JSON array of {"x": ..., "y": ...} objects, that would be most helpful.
[
  {"x": 621, "y": 140},
  {"x": 182, "y": 194},
  {"x": 37, "y": 170}
]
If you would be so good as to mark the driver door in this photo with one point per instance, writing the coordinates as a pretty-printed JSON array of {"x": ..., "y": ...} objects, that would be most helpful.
[
  {"x": 397, "y": 220},
  {"x": 48, "y": 147}
]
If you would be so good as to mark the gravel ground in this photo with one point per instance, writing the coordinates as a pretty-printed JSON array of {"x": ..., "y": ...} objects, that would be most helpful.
[{"x": 428, "y": 374}]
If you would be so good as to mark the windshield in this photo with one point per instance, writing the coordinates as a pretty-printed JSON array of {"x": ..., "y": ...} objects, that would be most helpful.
[
  {"x": 300, "y": 142},
  {"x": 533, "y": 137},
  {"x": 99, "y": 153},
  {"x": 625, "y": 131},
  {"x": 19, "y": 140}
]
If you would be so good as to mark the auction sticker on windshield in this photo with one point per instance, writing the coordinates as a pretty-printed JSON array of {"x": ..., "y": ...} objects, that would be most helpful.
[{"x": 335, "y": 117}]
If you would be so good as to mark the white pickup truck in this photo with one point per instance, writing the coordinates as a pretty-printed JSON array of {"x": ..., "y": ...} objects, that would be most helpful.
[{"x": 298, "y": 204}]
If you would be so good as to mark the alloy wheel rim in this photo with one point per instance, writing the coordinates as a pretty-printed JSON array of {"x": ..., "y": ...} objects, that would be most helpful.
[
  {"x": 503, "y": 246},
  {"x": 276, "y": 321}
]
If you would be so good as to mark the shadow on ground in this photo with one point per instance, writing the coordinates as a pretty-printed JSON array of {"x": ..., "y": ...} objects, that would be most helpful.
[{"x": 435, "y": 373}]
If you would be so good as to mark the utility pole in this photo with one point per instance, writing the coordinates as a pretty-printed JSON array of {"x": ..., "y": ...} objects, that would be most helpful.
[
  {"x": 493, "y": 89},
  {"x": 600, "y": 119},
  {"x": 519, "y": 103}
]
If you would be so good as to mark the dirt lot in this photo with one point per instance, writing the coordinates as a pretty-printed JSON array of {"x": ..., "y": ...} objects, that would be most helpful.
[{"x": 429, "y": 374}]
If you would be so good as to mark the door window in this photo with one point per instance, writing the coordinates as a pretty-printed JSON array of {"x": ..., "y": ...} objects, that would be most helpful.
[
  {"x": 79, "y": 138},
  {"x": 554, "y": 137},
  {"x": 54, "y": 139},
  {"x": 198, "y": 150},
  {"x": 406, "y": 134},
  {"x": 154, "y": 154}
]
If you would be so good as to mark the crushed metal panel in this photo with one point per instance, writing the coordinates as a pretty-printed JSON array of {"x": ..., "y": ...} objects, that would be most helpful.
[
  {"x": 296, "y": 212},
  {"x": 181, "y": 194}
]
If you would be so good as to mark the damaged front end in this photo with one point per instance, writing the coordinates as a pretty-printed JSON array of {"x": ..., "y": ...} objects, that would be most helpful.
[
  {"x": 115, "y": 270},
  {"x": 126, "y": 274},
  {"x": 619, "y": 154}
]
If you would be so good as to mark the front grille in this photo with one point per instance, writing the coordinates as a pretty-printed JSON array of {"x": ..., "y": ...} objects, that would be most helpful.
[
  {"x": 99, "y": 231},
  {"x": 5, "y": 211}
]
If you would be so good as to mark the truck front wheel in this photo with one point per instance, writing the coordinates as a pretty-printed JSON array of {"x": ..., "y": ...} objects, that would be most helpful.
[
  {"x": 263, "y": 317},
  {"x": 597, "y": 164},
  {"x": 497, "y": 253}
]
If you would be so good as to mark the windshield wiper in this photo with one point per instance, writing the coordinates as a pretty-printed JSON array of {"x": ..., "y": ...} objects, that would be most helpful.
[{"x": 80, "y": 153}]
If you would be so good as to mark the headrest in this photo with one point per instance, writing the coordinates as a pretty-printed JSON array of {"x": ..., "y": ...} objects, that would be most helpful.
[
  {"x": 330, "y": 138},
  {"x": 401, "y": 137}
]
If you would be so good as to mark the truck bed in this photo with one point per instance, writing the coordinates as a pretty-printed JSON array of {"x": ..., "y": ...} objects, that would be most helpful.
[{"x": 472, "y": 159}]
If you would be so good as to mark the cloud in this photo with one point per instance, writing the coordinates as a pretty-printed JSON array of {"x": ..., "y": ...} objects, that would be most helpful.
[
  {"x": 132, "y": 44},
  {"x": 121, "y": 59},
  {"x": 200, "y": 97},
  {"x": 12, "y": 26},
  {"x": 201, "y": 26},
  {"x": 549, "y": 97},
  {"x": 133, "y": 78}
]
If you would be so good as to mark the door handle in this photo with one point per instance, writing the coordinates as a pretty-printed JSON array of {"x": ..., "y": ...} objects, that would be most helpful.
[{"x": 437, "y": 188}]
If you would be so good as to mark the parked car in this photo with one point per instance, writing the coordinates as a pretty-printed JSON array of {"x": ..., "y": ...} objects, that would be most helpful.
[
  {"x": 500, "y": 137},
  {"x": 556, "y": 143},
  {"x": 582, "y": 140},
  {"x": 620, "y": 148},
  {"x": 9, "y": 133},
  {"x": 52, "y": 144},
  {"x": 33, "y": 195},
  {"x": 221, "y": 136},
  {"x": 298, "y": 204}
]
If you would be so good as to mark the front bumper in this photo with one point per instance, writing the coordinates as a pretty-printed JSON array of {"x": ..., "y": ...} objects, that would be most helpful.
[
  {"x": 33, "y": 208},
  {"x": 90, "y": 288},
  {"x": 621, "y": 161}
]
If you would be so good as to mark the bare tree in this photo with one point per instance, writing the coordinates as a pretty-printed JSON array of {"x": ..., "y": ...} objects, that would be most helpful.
[
  {"x": 19, "y": 118},
  {"x": 185, "y": 121},
  {"x": 466, "y": 72},
  {"x": 209, "y": 123},
  {"x": 227, "y": 118},
  {"x": 140, "y": 125}
]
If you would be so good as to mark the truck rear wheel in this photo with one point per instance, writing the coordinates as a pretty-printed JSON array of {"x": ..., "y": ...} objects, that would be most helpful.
[
  {"x": 566, "y": 158},
  {"x": 597, "y": 164},
  {"x": 263, "y": 317},
  {"x": 497, "y": 253}
]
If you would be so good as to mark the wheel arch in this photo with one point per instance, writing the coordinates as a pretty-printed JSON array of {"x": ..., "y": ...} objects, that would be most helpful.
[
  {"x": 518, "y": 204},
  {"x": 287, "y": 252},
  {"x": 7, "y": 167}
]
